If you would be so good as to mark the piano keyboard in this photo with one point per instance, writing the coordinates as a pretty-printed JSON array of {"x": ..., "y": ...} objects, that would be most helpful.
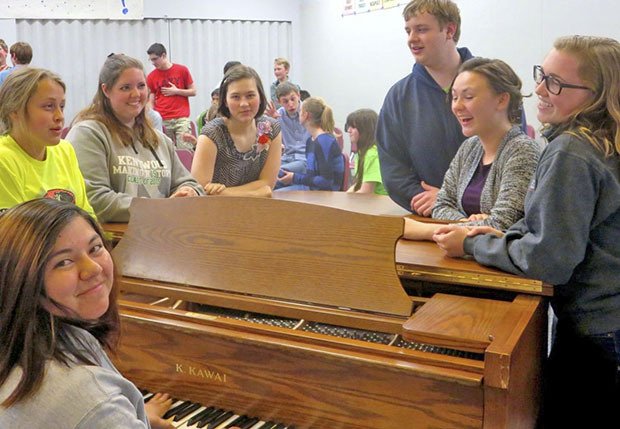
[
  {"x": 335, "y": 331},
  {"x": 192, "y": 415}
]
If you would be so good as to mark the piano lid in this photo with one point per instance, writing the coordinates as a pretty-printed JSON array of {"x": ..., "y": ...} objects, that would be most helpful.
[{"x": 268, "y": 248}]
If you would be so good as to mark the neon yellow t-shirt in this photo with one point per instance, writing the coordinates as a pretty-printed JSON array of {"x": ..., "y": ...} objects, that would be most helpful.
[{"x": 23, "y": 178}]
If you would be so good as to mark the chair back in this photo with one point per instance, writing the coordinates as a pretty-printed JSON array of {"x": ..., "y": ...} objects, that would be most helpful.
[
  {"x": 347, "y": 172},
  {"x": 339, "y": 137},
  {"x": 186, "y": 157}
]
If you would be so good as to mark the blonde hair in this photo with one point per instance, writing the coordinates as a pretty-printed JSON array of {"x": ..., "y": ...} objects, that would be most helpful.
[
  {"x": 319, "y": 113},
  {"x": 17, "y": 90},
  {"x": 598, "y": 121},
  {"x": 445, "y": 11},
  {"x": 282, "y": 62}
]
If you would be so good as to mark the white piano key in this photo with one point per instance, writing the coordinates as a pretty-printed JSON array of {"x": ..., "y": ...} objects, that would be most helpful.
[{"x": 182, "y": 424}]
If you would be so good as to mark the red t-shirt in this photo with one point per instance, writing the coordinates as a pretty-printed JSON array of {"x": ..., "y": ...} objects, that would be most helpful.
[{"x": 174, "y": 106}]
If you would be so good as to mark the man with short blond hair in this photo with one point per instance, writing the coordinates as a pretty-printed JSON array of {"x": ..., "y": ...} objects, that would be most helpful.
[{"x": 417, "y": 133}]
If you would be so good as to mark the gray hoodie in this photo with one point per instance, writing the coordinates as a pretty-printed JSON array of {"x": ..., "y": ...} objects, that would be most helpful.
[
  {"x": 115, "y": 174},
  {"x": 569, "y": 236}
]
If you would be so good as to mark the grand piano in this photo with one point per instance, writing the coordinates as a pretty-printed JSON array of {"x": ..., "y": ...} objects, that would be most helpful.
[{"x": 297, "y": 309}]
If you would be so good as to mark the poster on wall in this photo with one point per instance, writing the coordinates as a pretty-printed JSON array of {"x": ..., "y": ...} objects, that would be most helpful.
[
  {"x": 349, "y": 7},
  {"x": 354, "y": 7},
  {"x": 72, "y": 9}
]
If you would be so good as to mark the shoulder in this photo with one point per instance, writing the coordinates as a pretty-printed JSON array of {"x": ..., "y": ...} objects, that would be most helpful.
[
  {"x": 569, "y": 145},
  {"x": 180, "y": 67}
]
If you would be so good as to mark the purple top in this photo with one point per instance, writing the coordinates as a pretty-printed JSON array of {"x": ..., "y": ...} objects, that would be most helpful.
[{"x": 471, "y": 196}]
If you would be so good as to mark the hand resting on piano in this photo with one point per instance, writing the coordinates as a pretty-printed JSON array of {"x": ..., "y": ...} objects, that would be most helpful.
[{"x": 61, "y": 320}]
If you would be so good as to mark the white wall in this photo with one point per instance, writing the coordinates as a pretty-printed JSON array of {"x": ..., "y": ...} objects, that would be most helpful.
[
  {"x": 252, "y": 10},
  {"x": 352, "y": 61}
]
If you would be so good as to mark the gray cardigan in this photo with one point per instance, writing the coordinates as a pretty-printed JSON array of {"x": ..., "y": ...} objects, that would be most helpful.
[{"x": 506, "y": 185}]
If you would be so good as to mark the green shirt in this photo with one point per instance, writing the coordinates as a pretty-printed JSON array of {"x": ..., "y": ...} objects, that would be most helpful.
[{"x": 372, "y": 170}]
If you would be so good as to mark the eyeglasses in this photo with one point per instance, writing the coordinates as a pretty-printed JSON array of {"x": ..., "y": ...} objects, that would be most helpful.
[{"x": 553, "y": 84}]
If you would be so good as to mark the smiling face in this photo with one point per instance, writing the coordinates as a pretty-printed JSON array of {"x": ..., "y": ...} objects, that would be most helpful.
[
  {"x": 477, "y": 107},
  {"x": 79, "y": 273},
  {"x": 128, "y": 95},
  {"x": 556, "y": 109},
  {"x": 426, "y": 40},
  {"x": 243, "y": 99}
]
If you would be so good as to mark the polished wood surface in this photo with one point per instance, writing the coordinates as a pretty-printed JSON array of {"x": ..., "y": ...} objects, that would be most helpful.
[
  {"x": 421, "y": 261},
  {"x": 197, "y": 274}
]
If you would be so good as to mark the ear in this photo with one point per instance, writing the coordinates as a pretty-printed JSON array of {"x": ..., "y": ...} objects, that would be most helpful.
[
  {"x": 104, "y": 88},
  {"x": 503, "y": 100},
  {"x": 450, "y": 30},
  {"x": 14, "y": 117}
]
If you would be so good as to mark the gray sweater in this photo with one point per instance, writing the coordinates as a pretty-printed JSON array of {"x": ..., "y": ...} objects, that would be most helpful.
[
  {"x": 115, "y": 174},
  {"x": 506, "y": 185},
  {"x": 77, "y": 397},
  {"x": 569, "y": 236}
]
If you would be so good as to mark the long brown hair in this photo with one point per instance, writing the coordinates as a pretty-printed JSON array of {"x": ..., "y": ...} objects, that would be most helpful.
[
  {"x": 365, "y": 121},
  {"x": 30, "y": 335},
  {"x": 101, "y": 109}
]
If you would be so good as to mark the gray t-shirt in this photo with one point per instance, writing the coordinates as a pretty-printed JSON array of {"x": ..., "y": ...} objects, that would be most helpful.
[{"x": 77, "y": 397}]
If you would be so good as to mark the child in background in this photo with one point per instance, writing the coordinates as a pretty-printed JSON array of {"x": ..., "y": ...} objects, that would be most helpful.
[
  {"x": 361, "y": 126},
  {"x": 325, "y": 164},
  {"x": 294, "y": 134},
  {"x": 34, "y": 161}
]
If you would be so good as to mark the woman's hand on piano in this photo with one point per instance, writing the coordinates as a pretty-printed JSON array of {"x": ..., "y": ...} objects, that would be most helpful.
[
  {"x": 156, "y": 408},
  {"x": 476, "y": 230},
  {"x": 450, "y": 239},
  {"x": 184, "y": 191},
  {"x": 214, "y": 188}
]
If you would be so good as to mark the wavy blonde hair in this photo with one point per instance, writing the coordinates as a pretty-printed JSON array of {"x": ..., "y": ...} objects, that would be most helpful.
[{"x": 598, "y": 121}]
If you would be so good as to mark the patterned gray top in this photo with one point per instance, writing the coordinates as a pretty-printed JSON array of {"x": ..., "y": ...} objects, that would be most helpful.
[
  {"x": 234, "y": 168},
  {"x": 503, "y": 194}
]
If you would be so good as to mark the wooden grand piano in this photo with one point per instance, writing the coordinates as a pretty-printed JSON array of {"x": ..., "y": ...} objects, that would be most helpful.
[{"x": 295, "y": 312}]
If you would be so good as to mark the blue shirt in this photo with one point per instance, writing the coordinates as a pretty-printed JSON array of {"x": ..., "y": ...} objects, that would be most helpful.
[{"x": 294, "y": 136}]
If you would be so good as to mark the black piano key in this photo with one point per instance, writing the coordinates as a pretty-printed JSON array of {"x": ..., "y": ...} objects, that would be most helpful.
[
  {"x": 221, "y": 419},
  {"x": 237, "y": 422},
  {"x": 200, "y": 416},
  {"x": 210, "y": 418},
  {"x": 175, "y": 409},
  {"x": 249, "y": 423},
  {"x": 187, "y": 411}
]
